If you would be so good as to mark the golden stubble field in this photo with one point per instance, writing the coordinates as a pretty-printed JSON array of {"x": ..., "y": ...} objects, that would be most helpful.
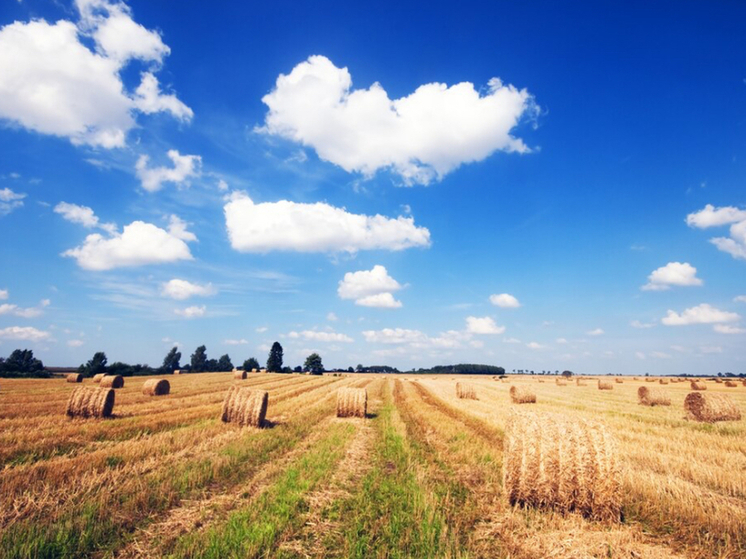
[{"x": 421, "y": 476}]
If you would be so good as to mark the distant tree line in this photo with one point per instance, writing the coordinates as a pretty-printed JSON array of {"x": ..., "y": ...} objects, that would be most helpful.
[
  {"x": 22, "y": 363},
  {"x": 463, "y": 369},
  {"x": 376, "y": 369}
]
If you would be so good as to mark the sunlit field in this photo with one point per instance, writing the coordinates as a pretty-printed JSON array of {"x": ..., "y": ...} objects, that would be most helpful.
[{"x": 420, "y": 476}]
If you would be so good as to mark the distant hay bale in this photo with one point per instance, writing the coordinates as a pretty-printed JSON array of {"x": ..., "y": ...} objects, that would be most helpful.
[
  {"x": 652, "y": 397},
  {"x": 719, "y": 381},
  {"x": 560, "y": 382},
  {"x": 352, "y": 402},
  {"x": 98, "y": 377},
  {"x": 112, "y": 381},
  {"x": 743, "y": 382},
  {"x": 553, "y": 461},
  {"x": 245, "y": 406},
  {"x": 728, "y": 383},
  {"x": 177, "y": 371},
  {"x": 579, "y": 382},
  {"x": 90, "y": 401},
  {"x": 522, "y": 395},
  {"x": 635, "y": 378},
  {"x": 618, "y": 380},
  {"x": 648, "y": 379},
  {"x": 697, "y": 385},
  {"x": 662, "y": 381},
  {"x": 605, "y": 385},
  {"x": 239, "y": 375},
  {"x": 710, "y": 407},
  {"x": 156, "y": 387},
  {"x": 75, "y": 377},
  {"x": 465, "y": 391}
]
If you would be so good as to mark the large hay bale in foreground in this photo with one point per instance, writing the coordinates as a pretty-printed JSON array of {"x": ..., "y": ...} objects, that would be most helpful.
[
  {"x": 112, "y": 381},
  {"x": 522, "y": 395},
  {"x": 697, "y": 385},
  {"x": 245, "y": 406},
  {"x": 91, "y": 401},
  {"x": 605, "y": 385},
  {"x": 662, "y": 381},
  {"x": 352, "y": 402},
  {"x": 553, "y": 461},
  {"x": 97, "y": 378},
  {"x": 730, "y": 384},
  {"x": 710, "y": 407},
  {"x": 652, "y": 397},
  {"x": 239, "y": 375},
  {"x": 156, "y": 387},
  {"x": 75, "y": 377},
  {"x": 465, "y": 391}
]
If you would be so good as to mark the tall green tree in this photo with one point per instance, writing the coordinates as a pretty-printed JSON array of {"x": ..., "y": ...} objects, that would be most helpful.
[
  {"x": 199, "y": 359},
  {"x": 313, "y": 364},
  {"x": 274, "y": 361},
  {"x": 97, "y": 364},
  {"x": 224, "y": 363},
  {"x": 250, "y": 364},
  {"x": 171, "y": 361},
  {"x": 22, "y": 363}
]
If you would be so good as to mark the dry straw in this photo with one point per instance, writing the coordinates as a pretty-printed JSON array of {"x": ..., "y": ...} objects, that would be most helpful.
[
  {"x": 239, "y": 375},
  {"x": 522, "y": 395},
  {"x": 75, "y": 377},
  {"x": 352, "y": 402},
  {"x": 710, "y": 407},
  {"x": 553, "y": 461},
  {"x": 605, "y": 385},
  {"x": 579, "y": 382},
  {"x": 697, "y": 385},
  {"x": 465, "y": 391},
  {"x": 156, "y": 387},
  {"x": 618, "y": 381},
  {"x": 560, "y": 382},
  {"x": 112, "y": 381},
  {"x": 245, "y": 406},
  {"x": 98, "y": 377},
  {"x": 730, "y": 384},
  {"x": 663, "y": 381},
  {"x": 719, "y": 381},
  {"x": 90, "y": 401},
  {"x": 652, "y": 397},
  {"x": 649, "y": 380}
]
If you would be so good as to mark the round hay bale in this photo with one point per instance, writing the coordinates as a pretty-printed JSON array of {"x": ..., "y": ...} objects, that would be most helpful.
[
  {"x": 177, "y": 371},
  {"x": 97, "y": 378},
  {"x": 245, "y": 406},
  {"x": 730, "y": 384},
  {"x": 352, "y": 402},
  {"x": 112, "y": 381},
  {"x": 605, "y": 385},
  {"x": 521, "y": 395},
  {"x": 90, "y": 401},
  {"x": 553, "y": 461},
  {"x": 465, "y": 391},
  {"x": 697, "y": 385},
  {"x": 156, "y": 387},
  {"x": 618, "y": 380},
  {"x": 662, "y": 381},
  {"x": 652, "y": 397},
  {"x": 710, "y": 407},
  {"x": 647, "y": 379},
  {"x": 560, "y": 382},
  {"x": 75, "y": 377},
  {"x": 719, "y": 381},
  {"x": 239, "y": 375},
  {"x": 579, "y": 382}
]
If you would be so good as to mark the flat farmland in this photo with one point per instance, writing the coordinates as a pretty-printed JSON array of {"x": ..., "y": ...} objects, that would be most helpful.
[{"x": 421, "y": 476}]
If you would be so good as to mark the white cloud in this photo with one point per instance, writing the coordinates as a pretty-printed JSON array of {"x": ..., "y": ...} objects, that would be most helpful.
[
  {"x": 535, "y": 345},
  {"x": 711, "y": 216},
  {"x": 25, "y": 333},
  {"x": 51, "y": 82},
  {"x": 75, "y": 343},
  {"x": 28, "y": 312},
  {"x": 7, "y": 308},
  {"x": 505, "y": 301},
  {"x": 3, "y": 294},
  {"x": 370, "y": 288},
  {"x": 483, "y": 325},
  {"x": 561, "y": 341},
  {"x": 321, "y": 336},
  {"x": 182, "y": 289},
  {"x": 701, "y": 314},
  {"x": 9, "y": 200},
  {"x": 83, "y": 215},
  {"x": 222, "y": 186},
  {"x": 638, "y": 324},
  {"x": 192, "y": 312},
  {"x": 149, "y": 100},
  {"x": 727, "y": 329},
  {"x": 291, "y": 226},
  {"x": 331, "y": 317},
  {"x": 138, "y": 244},
  {"x": 511, "y": 341},
  {"x": 394, "y": 336},
  {"x": 673, "y": 273},
  {"x": 736, "y": 244},
  {"x": 415, "y": 339},
  {"x": 261, "y": 329},
  {"x": 235, "y": 342},
  {"x": 152, "y": 179},
  {"x": 740, "y": 299},
  {"x": 595, "y": 332},
  {"x": 421, "y": 137}
]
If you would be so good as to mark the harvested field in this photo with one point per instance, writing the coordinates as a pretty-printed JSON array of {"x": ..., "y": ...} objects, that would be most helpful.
[{"x": 421, "y": 476}]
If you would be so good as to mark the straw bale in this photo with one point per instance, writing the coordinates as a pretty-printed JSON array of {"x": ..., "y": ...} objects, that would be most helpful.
[
  {"x": 618, "y": 380},
  {"x": 710, "y": 407},
  {"x": 579, "y": 382},
  {"x": 465, "y": 391},
  {"x": 177, "y": 371},
  {"x": 719, "y": 381},
  {"x": 352, "y": 402},
  {"x": 75, "y": 377},
  {"x": 245, "y": 406},
  {"x": 156, "y": 387},
  {"x": 662, "y": 381},
  {"x": 239, "y": 375},
  {"x": 522, "y": 395},
  {"x": 652, "y": 397},
  {"x": 90, "y": 401},
  {"x": 605, "y": 385},
  {"x": 112, "y": 381},
  {"x": 97, "y": 378},
  {"x": 730, "y": 384},
  {"x": 648, "y": 379},
  {"x": 697, "y": 385},
  {"x": 562, "y": 463}
]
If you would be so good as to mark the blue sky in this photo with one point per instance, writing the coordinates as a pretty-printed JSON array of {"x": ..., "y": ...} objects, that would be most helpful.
[{"x": 521, "y": 185}]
